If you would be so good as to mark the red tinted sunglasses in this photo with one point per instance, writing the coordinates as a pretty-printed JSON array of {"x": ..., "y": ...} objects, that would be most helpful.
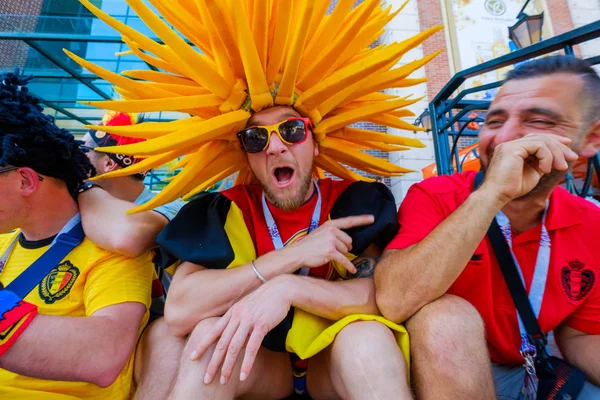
[{"x": 291, "y": 131}]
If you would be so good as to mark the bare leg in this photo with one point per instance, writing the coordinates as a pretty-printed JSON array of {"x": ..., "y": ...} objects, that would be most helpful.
[
  {"x": 449, "y": 354},
  {"x": 271, "y": 376},
  {"x": 364, "y": 362},
  {"x": 156, "y": 361}
]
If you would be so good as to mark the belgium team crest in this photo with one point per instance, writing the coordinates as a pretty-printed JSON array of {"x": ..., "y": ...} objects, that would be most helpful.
[
  {"x": 58, "y": 283},
  {"x": 577, "y": 281}
]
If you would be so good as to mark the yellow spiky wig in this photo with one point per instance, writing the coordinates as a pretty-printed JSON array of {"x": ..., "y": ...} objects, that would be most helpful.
[{"x": 242, "y": 56}]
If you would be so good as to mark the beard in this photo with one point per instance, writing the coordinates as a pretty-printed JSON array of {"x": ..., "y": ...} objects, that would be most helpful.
[{"x": 289, "y": 199}]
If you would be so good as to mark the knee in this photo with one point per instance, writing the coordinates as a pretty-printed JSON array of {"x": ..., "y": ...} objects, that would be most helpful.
[
  {"x": 445, "y": 325},
  {"x": 201, "y": 330},
  {"x": 365, "y": 338}
]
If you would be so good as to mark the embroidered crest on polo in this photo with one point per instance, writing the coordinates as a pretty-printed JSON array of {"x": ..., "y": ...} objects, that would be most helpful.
[
  {"x": 577, "y": 281},
  {"x": 58, "y": 283},
  {"x": 220, "y": 61}
]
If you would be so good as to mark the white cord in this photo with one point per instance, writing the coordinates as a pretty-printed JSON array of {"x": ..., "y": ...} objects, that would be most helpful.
[{"x": 258, "y": 274}]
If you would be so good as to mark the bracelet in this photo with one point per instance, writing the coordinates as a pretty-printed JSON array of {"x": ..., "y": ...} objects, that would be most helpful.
[{"x": 258, "y": 274}]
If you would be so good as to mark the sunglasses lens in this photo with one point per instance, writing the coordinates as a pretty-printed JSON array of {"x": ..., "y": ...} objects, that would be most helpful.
[
  {"x": 293, "y": 131},
  {"x": 254, "y": 140}
]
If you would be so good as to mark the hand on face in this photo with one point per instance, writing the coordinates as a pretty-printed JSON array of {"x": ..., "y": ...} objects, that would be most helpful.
[
  {"x": 328, "y": 243},
  {"x": 517, "y": 166},
  {"x": 243, "y": 327}
]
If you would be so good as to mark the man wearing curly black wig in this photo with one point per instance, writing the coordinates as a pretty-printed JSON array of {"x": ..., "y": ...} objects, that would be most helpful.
[{"x": 73, "y": 335}]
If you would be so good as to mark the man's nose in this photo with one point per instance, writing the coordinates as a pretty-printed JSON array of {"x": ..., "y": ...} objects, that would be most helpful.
[
  {"x": 510, "y": 130},
  {"x": 276, "y": 146}
]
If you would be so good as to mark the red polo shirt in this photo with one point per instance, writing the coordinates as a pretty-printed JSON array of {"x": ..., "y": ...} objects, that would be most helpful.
[{"x": 572, "y": 295}]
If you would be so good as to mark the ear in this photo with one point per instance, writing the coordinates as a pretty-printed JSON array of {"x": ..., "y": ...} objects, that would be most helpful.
[
  {"x": 316, "y": 149},
  {"x": 109, "y": 164},
  {"x": 591, "y": 145},
  {"x": 30, "y": 181}
]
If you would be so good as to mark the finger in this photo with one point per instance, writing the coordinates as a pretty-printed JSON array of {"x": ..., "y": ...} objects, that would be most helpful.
[
  {"x": 570, "y": 155},
  {"x": 212, "y": 337},
  {"x": 352, "y": 221},
  {"x": 343, "y": 261},
  {"x": 233, "y": 352},
  {"x": 344, "y": 237},
  {"x": 545, "y": 159},
  {"x": 219, "y": 354},
  {"x": 341, "y": 246},
  {"x": 559, "y": 161},
  {"x": 548, "y": 136},
  {"x": 252, "y": 348}
]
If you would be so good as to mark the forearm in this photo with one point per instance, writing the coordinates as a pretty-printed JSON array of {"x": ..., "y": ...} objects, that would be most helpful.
[
  {"x": 187, "y": 300},
  {"x": 408, "y": 279},
  {"x": 70, "y": 349},
  {"x": 583, "y": 351},
  {"x": 107, "y": 224},
  {"x": 332, "y": 300}
]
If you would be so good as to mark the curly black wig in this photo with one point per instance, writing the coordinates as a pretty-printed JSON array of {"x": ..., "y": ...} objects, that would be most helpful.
[{"x": 29, "y": 138}]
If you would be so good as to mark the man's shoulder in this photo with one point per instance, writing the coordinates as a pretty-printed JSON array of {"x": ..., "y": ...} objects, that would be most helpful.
[
  {"x": 440, "y": 185},
  {"x": 587, "y": 211}
]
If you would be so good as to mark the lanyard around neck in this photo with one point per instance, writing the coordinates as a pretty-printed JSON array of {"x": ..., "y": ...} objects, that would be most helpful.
[
  {"x": 542, "y": 263},
  {"x": 274, "y": 231},
  {"x": 69, "y": 225}
]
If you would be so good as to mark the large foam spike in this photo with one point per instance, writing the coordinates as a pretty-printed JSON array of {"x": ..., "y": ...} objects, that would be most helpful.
[
  {"x": 257, "y": 82},
  {"x": 318, "y": 15},
  {"x": 318, "y": 69},
  {"x": 279, "y": 44},
  {"x": 327, "y": 30},
  {"x": 367, "y": 145},
  {"x": 159, "y": 77},
  {"x": 148, "y": 130},
  {"x": 219, "y": 50},
  {"x": 339, "y": 121},
  {"x": 358, "y": 159},
  {"x": 244, "y": 177},
  {"x": 176, "y": 187},
  {"x": 116, "y": 79},
  {"x": 186, "y": 23},
  {"x": 223, "y": 28},
  {"x": 260, "y": 29},
  {"x": 335, "y": 168},
  {"x": 196, "y": 64},
  {"x": 345, "y": 82},
  {"x": 394, "y": 122},
  {"x": 154, "y": 61},
  {"x": 408, "y": 82},
  {"x": 384, "y": 80},
  {"x": 215, "y": 128},
  {"x": 285, "y": 94},
  {"x": 214, "y": 180},
  {"x": 183, "y": 90},
  {"x": 371, "y": 136},
  {"x": 159, "y": 104}
]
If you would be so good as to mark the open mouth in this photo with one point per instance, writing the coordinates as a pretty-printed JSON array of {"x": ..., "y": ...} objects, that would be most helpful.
[{"x": 283, "y": 176}]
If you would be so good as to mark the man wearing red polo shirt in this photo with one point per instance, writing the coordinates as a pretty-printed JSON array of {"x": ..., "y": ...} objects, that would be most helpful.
[{"x": 544, "y": 116}]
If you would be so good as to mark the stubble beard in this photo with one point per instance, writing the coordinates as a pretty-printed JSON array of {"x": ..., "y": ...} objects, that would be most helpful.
[{"x": 287, "y": 200}]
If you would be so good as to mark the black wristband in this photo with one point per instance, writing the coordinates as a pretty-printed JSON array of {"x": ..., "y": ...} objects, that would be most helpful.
[{"x": 84, "y": 187}]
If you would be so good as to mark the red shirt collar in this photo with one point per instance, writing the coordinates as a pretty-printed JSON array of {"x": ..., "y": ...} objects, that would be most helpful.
[{"x": 564, "y": 210}]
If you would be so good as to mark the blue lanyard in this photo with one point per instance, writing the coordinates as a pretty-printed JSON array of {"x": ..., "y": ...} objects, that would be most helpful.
[
  {"x": 274, "y": 231},
  {"x": 70, "y": 225}
]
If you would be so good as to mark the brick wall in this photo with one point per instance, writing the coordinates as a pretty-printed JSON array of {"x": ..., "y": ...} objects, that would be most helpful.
[
  {"x": 560, "y": 15},
  {"x": 14, "y": 53},
  {"x": 438, "y": 70}
]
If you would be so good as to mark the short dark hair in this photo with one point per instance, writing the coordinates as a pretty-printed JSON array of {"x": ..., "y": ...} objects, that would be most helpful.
[
  {"x": 567, "y": 65},
  {"x": 30, "y": 138}
]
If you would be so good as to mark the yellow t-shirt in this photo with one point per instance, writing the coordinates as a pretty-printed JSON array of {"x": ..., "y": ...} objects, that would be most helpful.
[{"x": 85, "y": 281}]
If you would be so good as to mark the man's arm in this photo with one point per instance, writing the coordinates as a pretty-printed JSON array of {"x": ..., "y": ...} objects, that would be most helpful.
[
  {"x": 410, "y": 278},
  {"x": 198, "y": 293},
  {"x": 581, "y": 350},
  {"x": 89, "y": 349},
  {"x": 413, "y": 277},
  {"x": 335, "y": 300},
  {"x": 106, "y": 223}
]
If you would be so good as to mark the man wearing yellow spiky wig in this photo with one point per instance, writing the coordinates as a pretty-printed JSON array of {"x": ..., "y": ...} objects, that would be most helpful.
[{"x": 284, "y": 258}]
